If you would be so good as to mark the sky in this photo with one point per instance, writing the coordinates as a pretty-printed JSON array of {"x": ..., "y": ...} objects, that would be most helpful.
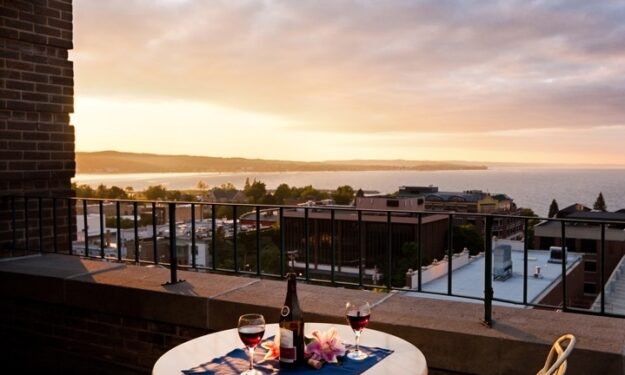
[{"x": 510, "y": 81}]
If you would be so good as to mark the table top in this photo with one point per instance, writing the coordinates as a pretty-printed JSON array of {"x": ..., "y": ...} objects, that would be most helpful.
[{"x": 405, "y": 359}]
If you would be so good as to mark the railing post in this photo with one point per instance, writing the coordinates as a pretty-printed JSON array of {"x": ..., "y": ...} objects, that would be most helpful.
[
  {"x": 14, "y": 222},
  {"x": 40, "y": 218},
  {"x": 602, "y": 265},
  {"x": 235, "y": 239},
  {"x": 564, "y": 259},
  {"x": 333, "y": 245},
  {"x": 282, "y": 241},
  {"x": 525, "y": 258},
  {"x": 54, "y": 225},
  {"x": 154, "y": 239},
  {"x": 360, "y": 248},
  {"x": 307, "y": 243},
  {"x": 173, "y": 254},
  {"x": 86, "y": 225},
  {"x": 419, "y": 252},
  {"x": 389, "y": 249},
  {"x": 488, "y": 272},
  {"x": 193, "y": 244},
  {"x": 118, "y": 226},
  {"x": 102, "y": 228},
  {"x": 450, "y": 253},
  {"x": 136, "y": 228},
  {"x": 213, "y": 237},
  {"x": 70, "y": 248},
  {"x": 257, "y": 241}
]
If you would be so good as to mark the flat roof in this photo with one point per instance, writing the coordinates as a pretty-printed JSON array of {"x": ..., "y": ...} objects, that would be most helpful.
[{"x": 469, "y": 280}]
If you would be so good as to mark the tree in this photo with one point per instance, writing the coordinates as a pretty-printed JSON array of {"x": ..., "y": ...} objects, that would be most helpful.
[
  {"x": 600, "y": 203},
  {"x": 468, "y": 236},
  {"x": 343, "y": 194},
  {"x": 255, "y": 192},
  {"x": 553, "y": 209},
  {"x": 282, "y": 193},
  {"x": 157, "y": 192}
]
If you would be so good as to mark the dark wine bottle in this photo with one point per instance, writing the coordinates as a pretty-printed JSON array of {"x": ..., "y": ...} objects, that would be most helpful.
[{"x": 291, "y": 328}]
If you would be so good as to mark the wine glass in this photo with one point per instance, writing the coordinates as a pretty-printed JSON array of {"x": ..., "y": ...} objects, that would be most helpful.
[
  {"x": 358, "y": 313},
  {"x": 251, "y": 330}
]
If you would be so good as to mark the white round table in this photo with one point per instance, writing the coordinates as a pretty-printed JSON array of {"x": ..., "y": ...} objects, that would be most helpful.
[{"x": 406, "y": 359}]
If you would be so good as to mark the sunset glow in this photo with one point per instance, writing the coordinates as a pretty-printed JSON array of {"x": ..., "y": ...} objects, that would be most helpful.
[{"x": 510, "y": 81}]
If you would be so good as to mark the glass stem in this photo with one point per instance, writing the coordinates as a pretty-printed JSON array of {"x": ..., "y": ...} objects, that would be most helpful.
[
  {"x": 251, "y": 358},
  {"x": 358, "y": 342}
]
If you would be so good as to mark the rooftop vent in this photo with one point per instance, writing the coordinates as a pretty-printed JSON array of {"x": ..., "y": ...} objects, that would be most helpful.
[
  {"x": 502, "y": 268},
  {"x": 555, "y": 254}
]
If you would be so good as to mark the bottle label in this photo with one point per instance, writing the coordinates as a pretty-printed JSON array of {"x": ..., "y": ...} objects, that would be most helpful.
[{"x": 287, "y": 346}]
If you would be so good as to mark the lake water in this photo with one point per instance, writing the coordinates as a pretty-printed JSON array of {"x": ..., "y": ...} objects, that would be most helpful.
[{"x": 529, "y": 187}]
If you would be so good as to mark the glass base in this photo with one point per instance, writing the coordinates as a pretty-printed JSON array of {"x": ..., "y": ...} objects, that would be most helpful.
[
  {"x": 251, "y": 372},
  {"x": 357, "y": 355}
]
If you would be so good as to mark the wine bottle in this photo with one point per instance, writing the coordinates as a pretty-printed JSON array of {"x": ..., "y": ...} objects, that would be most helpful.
[{"x": 291, "y": 328}]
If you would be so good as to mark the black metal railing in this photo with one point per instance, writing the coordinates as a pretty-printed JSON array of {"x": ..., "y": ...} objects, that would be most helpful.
[{"x": 346, "y": 246}]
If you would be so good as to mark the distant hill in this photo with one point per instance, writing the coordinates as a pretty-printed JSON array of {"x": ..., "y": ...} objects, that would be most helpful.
[{"x": 126, "y": 162}]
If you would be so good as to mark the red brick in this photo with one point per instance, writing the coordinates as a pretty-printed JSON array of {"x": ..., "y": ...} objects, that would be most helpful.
[
  {"x": 8, "y": 94},
  {"x": 20, "y": 65},
  {"x": 49, "y": 31},
  {"x": 19, "y": 25},
  {"x": 47, "y": 69},
  {"x": 20, "y": 125},
  {"x": 22, "y": 165},
  {"x": 51, "y": 89},
  {"x": 44, "y": 146},
  {"x": 10, "y": 134},
  {"x": 64, "y": 25},
  {"x": 36, "y": 155},
  {"x": 35, "y": 136},
  {"x": 9, "y": 33},
  {"x": 48, "y": 107},
  {"x": 60, "y": 5},
  {"x": 34, "y": 77},
  {"x": 45, "y": 11},
  {"x": 20, "y": 105},
  {"x": 19, "y": 85},
  {"x": 34, "y": 97},
  {"x": 62, "y": 81},
  {"x": 50, "y": 165},
  {"x": 32, "y": 37},
  {"x": 9, "y": 13}
]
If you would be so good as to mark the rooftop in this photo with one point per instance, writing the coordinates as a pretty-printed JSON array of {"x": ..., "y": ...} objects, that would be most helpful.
[{"x": 468, "y": 280}]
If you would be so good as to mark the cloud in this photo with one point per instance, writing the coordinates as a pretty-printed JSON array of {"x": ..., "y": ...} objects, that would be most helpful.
[{"x": 365, "y": 66}]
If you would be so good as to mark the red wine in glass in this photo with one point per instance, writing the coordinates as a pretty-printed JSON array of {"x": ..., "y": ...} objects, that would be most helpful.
[
  {"x": 251, "y": 335},
  {"x": 358, "y": 314},
  {"x": 358, "y": 322},
  {"x": 251, "y": 330}
]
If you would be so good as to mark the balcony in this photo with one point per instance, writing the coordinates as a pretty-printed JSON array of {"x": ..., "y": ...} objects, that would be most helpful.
[{"x": 115, "y": 299}]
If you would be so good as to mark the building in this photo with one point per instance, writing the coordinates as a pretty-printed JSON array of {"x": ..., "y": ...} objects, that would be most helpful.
[
  {"x": 470, "y": 201},
  {"x": 544, "y": 276},
  {"x": 369, "y": 243},
  {"x": 585, "y": 237}
]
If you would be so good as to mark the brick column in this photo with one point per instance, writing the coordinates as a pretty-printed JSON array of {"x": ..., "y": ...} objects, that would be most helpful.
[{"x": 36, "y": 138}]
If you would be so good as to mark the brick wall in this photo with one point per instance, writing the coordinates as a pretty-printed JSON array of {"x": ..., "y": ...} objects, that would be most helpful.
[
  {"x": 40, "y": 336},
  {"x": 36, "y": 138}
]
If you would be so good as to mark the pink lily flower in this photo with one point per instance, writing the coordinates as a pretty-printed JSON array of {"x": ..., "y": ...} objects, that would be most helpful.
[
  {"x": 273, "y": 348},
  {"x": 326, "y": 346}
]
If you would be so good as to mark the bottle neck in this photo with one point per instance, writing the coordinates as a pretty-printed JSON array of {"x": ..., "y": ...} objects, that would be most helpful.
[{"x": 292, "y": 284}]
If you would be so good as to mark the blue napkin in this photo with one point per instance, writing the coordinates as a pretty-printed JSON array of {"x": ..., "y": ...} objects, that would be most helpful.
[{"x": 237, "y": 361}]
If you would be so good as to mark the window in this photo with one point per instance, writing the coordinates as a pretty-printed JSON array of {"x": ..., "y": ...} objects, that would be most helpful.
[
  {"x": 589, "y": 246},
  {"x": 590, "y": 266},
  {"x": 392, "y": 203},
  {"x": 590, "y": 288}
]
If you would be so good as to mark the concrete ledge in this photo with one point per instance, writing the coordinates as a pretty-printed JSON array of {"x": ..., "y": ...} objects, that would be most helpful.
[{"x": 449, "y": 333}]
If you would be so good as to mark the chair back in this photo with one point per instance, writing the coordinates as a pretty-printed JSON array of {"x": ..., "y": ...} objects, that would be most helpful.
[{"x": 556, "y": 360}]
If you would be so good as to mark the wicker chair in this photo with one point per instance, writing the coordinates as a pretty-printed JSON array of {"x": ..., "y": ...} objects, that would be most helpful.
[{"x": 556, "y": 360}]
